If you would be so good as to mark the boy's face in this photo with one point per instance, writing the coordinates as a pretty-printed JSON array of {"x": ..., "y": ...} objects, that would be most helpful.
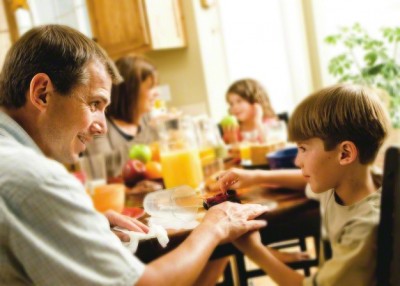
[{"x": 319, "y": 167}]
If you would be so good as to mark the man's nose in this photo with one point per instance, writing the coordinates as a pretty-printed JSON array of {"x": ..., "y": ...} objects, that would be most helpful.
[{"x": 99, "y": 126}]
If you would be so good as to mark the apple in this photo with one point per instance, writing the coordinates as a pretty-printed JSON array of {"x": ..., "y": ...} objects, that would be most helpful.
[
  {"x": 229, "y": 121},
  {"x": 133, "y": 172},
  {"x": 140, "y": 152}
]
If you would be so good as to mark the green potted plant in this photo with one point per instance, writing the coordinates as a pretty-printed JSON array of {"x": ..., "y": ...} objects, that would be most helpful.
[{"x": 368, "y": 60}]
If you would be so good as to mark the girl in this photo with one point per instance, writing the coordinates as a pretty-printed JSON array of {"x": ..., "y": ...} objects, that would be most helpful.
[{"x": 250, "y": 104}]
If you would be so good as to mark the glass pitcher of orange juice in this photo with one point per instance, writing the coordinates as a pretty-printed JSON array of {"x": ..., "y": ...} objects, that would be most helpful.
[{"x": 179, "y": 154}]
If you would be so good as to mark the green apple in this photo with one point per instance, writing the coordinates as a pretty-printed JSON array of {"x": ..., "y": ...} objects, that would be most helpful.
[
  {"x": 229, "y": 121},
  {"x": 140, "y": 152}
]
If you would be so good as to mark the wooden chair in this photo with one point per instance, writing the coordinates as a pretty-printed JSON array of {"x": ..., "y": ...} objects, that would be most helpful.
[{"x": 388, "y": 256}]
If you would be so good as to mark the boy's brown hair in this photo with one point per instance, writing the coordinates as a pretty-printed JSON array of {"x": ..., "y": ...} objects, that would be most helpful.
[{"x": 339, "y": 113}]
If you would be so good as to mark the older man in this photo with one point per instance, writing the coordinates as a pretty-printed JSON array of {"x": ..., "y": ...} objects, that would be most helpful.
[{"x": 54, "y": 88}]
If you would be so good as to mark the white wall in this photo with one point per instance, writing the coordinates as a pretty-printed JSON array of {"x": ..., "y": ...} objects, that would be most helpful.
[
  {"x": 197, "y": 74},
  {"x": 265, "y": 40},
  {"x": 332, "y": 14}
]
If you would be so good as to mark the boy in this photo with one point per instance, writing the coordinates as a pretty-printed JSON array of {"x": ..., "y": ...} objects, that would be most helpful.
[{"x": 338, "y": 131}]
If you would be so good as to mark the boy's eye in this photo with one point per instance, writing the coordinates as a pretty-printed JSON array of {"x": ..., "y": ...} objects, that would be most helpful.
[{"x": 301, "y": 148}]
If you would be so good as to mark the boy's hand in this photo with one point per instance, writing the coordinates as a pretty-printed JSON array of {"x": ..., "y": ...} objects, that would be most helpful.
[
  {"x": 231, "y": 220},
  {"x": 248, "y": 241},
  {"x": 235, "y": 179}
]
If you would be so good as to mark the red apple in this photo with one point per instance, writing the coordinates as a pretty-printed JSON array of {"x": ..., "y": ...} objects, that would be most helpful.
[{"x": 133, "y": 172}]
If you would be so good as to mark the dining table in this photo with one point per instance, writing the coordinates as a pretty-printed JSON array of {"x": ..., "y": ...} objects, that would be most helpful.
[{"x": 293, "y": 217}]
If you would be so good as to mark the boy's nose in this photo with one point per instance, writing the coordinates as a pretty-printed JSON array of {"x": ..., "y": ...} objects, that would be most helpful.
[{"x": 297, "y": 162}]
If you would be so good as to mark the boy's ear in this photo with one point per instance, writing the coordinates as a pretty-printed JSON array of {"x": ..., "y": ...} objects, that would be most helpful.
[
  {"x": 40, "y": 89},
  {"x": 348, "y": 152}
]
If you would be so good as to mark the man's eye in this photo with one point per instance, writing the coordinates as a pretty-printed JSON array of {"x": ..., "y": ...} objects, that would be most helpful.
[
  {"x": 301, "y": 148},
  {"x": 94, "y": 105}
]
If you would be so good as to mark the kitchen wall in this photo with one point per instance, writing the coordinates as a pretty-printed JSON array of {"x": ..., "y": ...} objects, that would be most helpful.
[{"x": 197, "y": 74}]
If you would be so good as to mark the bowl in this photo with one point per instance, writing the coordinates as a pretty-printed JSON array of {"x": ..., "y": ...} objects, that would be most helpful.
[{"x": 282, "y": 159}]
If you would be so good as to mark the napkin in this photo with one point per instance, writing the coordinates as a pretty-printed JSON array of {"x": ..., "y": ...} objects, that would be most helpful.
[{"x": 155, "y": 231}]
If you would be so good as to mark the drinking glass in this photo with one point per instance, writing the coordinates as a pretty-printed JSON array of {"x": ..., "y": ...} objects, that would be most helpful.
[{"x": 276, "y": 131}]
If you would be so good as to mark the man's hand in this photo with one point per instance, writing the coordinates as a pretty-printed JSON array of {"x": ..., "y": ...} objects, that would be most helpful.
[
  {"x": 117, "y": 219},
  {"x": 232, "y": 220},
  {"x": 235, "y": 179}
]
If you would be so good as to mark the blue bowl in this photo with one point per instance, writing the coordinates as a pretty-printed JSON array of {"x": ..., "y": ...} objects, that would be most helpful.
[{"x": 282, "y": 159}]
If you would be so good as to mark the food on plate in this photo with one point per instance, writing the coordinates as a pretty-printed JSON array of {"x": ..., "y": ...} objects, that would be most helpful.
[{"x": 229, "y": 195}]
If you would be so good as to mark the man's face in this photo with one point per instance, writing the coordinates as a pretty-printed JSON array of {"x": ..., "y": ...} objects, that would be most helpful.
[
  {"x": 319, "y": 167},
  {"x": 71, "y": 121}
]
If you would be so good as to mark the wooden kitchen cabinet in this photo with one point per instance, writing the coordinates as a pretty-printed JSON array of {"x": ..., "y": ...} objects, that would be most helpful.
[{"x": 125, "y": 26}]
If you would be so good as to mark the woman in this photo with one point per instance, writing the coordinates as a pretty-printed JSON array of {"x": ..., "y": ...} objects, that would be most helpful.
[{"x": 127, "y": 118}]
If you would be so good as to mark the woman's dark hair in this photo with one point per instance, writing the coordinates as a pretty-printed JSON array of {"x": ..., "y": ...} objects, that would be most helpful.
[{"x": 125, "y": 95}]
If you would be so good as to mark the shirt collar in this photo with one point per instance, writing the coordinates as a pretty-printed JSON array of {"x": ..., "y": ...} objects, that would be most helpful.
[{"x": 9, "y": 127}]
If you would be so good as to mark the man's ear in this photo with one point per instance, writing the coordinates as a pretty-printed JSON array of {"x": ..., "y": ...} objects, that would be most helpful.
[
  {"x": 348, "y": 152},
  {"x": 40, "y": 89}
]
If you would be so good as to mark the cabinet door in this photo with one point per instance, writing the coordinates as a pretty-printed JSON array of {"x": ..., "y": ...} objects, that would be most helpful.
[{"x": 119, "y": 26}]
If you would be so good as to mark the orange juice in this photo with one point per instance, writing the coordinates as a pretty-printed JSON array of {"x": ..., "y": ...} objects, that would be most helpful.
[
  {"x": 108, "y": 197},
  {"x": 181, "y": 167},
  {"x": 207, "y": 155},
  {"x": 245, "y": 152}
]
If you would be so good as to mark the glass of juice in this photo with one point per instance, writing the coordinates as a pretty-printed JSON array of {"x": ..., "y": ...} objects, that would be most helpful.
[
  {"x": 179, "y": 153},
  {"x": 181, "y": 167}
]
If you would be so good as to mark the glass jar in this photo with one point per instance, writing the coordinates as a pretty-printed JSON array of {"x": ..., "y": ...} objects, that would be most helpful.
[
  {"x": 212, "y": 148},
  {"x": 179, "y": 153}
]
